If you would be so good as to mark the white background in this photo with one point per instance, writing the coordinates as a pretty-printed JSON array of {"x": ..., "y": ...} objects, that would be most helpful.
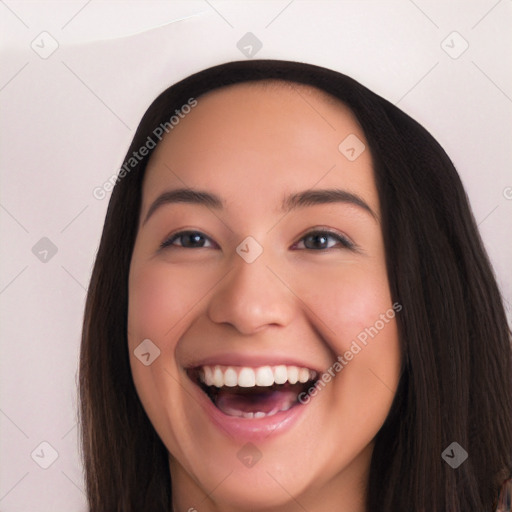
[{"x": 67, "y": 121}]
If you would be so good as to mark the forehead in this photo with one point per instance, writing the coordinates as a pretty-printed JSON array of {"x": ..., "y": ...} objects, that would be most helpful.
[{"x": 255, "y": 141}]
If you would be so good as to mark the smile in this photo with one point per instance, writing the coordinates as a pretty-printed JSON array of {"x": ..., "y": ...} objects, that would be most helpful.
[{"x": 253, "y": 392}]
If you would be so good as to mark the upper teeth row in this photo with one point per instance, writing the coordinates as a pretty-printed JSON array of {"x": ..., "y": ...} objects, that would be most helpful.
[{"x": 247, "y": 377}]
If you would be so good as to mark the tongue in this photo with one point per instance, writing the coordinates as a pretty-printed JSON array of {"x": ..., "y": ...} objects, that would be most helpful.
[{"x": 234, "y": 403}]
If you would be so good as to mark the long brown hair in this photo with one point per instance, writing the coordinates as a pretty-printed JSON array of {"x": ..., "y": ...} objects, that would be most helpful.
[{"x": 456, "y": 383}]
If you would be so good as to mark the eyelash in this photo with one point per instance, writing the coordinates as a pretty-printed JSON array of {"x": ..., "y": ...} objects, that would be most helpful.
[{"x": 343, "y": 241}]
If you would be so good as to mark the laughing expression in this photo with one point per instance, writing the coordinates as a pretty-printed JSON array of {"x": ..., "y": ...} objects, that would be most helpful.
[{"x": 258, "y": 262}]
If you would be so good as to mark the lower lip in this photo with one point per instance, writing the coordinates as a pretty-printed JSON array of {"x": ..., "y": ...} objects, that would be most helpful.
[{"x": 250, "y": 429}]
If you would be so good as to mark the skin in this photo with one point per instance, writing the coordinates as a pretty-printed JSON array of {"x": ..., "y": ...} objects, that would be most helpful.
[{"x": 252, "y": 145}]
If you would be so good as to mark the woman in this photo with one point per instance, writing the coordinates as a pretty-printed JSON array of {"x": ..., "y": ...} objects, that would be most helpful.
[{"x": 291, "y": 309}]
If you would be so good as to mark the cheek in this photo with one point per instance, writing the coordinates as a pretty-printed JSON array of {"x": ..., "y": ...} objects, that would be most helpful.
[
  {"x": 354, "y": 306},
  {"x": 156, "y": 311},
  {"x": 160, "y": 298},
  {"x": 360, "y": 312},
  {"x": 347, "y": 298},
  {"x": 160, "y": 302}
]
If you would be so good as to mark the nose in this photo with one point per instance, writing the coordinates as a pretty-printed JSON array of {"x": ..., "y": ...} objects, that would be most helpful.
[{"x": 251, "y": 297}]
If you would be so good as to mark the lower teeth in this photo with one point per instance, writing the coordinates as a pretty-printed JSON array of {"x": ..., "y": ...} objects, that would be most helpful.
[{"x": 255, "y": 415}]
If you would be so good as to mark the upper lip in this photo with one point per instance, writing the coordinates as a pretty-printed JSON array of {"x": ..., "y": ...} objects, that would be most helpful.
[{"x": 252, "y": 361}]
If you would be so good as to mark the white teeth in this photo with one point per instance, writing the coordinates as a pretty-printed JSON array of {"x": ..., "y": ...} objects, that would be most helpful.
[
  {"x": 281, "y": 374},
  {"x": 248, "y": 377},
  {"x": 208, "y": 374},
  {"x": 218, "y": 377},
  {"x": 303, "y": 375},
  {"x": 264, "y": 376},
  {"x": 230, "y": 378},
  {"x": 250, "y": 415},
  {"x": 293, "y": 375}
]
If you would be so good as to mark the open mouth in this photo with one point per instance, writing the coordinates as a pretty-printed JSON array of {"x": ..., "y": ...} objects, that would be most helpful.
[{"x": 248, "y": 392}]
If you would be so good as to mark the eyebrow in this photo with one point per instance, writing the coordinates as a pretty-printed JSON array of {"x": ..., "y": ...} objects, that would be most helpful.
[
  {"x": 185, "y": 195},
  {"x": 291, "y": 202},
  {"x": 325, "y": 196}
]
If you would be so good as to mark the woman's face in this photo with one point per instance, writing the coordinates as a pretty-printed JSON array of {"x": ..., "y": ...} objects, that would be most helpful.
[{"x": 279, "y": 278}]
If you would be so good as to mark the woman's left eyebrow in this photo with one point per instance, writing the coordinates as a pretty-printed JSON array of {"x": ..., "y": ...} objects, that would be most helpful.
[{"x": 296, "y": 200}]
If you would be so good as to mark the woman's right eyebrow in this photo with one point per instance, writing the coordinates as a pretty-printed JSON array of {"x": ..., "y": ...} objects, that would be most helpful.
[
  {"x": 185, "y": 195},
  {"x": 313, "y": 197},
  {"x": 296, "y": 200}
]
